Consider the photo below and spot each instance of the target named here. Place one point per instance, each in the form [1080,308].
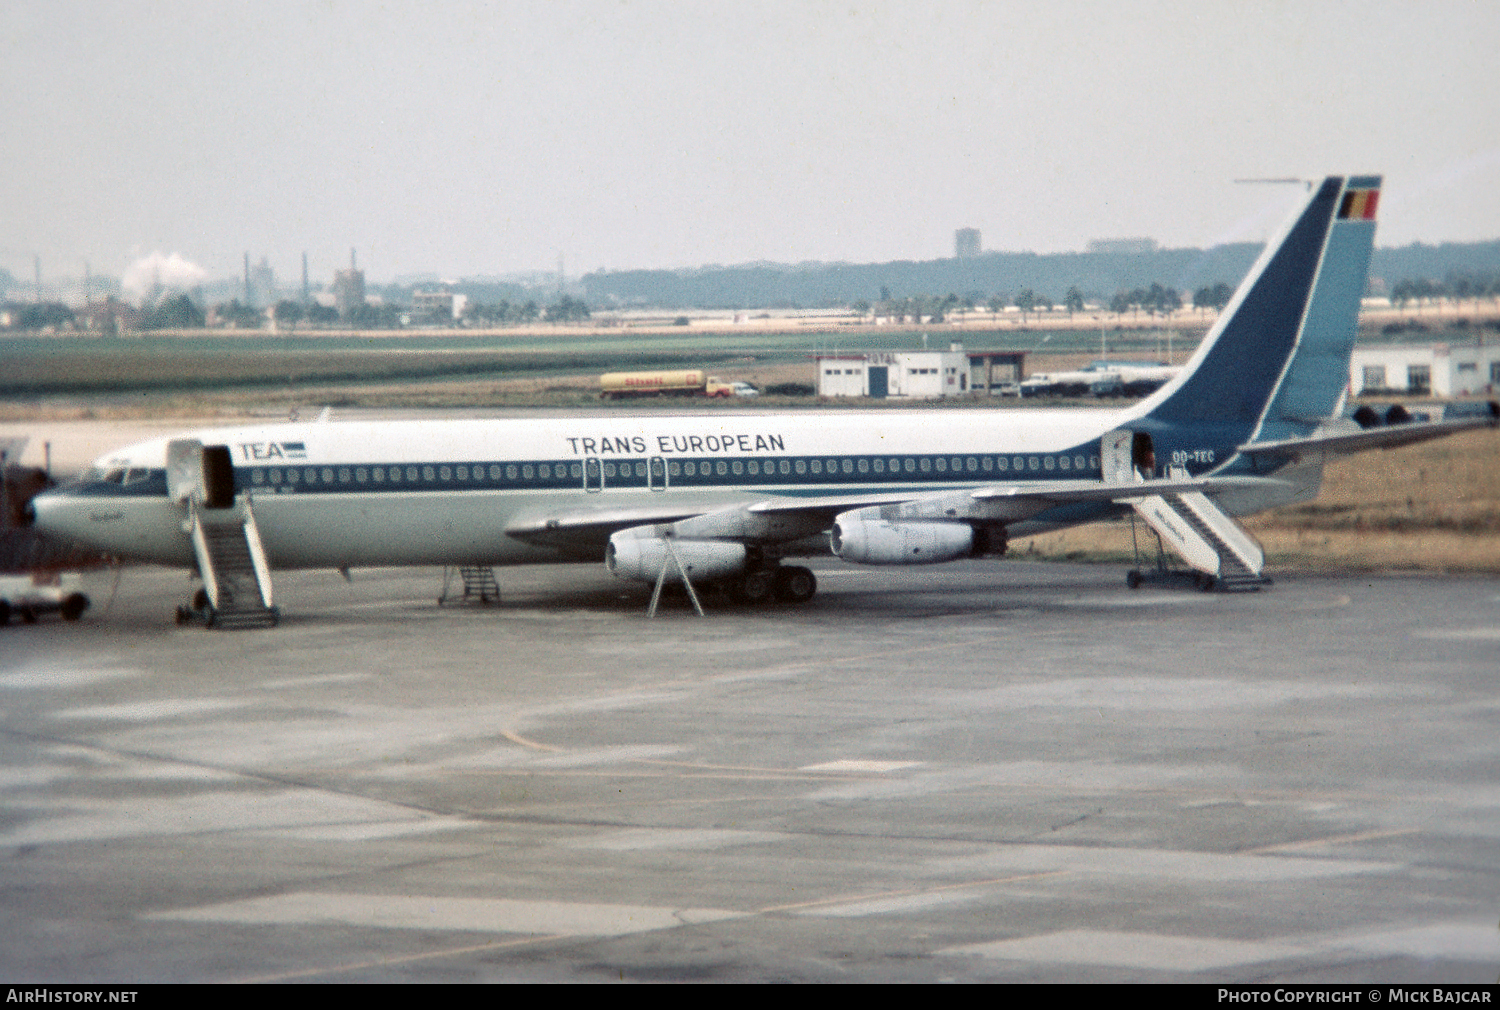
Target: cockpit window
[113,476]
[134,474]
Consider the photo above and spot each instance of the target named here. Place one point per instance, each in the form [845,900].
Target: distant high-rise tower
[305,294]
[348,288]
[262,284]
[966,243]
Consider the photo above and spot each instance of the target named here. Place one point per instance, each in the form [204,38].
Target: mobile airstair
[1219,549]
[236,591]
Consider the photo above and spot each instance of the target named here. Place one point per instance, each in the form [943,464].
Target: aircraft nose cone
[41,512]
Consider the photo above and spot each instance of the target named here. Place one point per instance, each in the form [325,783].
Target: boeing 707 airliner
[724,497]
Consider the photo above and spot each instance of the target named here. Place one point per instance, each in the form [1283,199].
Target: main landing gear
[759,586]
[781,583]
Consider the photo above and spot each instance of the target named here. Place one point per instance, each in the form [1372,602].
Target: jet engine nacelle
[639,554]
[863,537]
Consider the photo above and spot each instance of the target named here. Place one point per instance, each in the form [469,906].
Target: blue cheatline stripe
[818,475]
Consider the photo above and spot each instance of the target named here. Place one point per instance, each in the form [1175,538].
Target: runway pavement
[989,770]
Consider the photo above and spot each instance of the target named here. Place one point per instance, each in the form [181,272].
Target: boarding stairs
[479,584]
[232,563]
[1207,538]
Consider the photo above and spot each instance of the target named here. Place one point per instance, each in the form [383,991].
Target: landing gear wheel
[754,587]
[184,616]
[795,584]
[4,612]
[200,599]
[1133,579]
[1206,583]
[73,607]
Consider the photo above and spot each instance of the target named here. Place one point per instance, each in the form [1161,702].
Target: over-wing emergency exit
[1246,425]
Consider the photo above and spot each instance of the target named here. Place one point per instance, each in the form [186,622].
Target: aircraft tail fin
[1277,361]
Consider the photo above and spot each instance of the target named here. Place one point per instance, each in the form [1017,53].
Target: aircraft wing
[584,531]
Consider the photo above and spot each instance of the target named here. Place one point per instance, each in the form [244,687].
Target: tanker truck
[689,382]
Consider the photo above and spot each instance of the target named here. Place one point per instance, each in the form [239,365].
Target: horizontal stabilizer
[1388,437]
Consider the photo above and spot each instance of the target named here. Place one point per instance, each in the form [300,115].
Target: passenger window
[739,468]
[800,465]
[257,476]
[721,468]
[411,474]
[344,475]
[848,466]
[674,468]
[446,473]
[428,474]
[785,469]
[359,475]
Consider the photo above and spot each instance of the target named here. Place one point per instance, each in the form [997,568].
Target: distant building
[966,243]
[1425,369]
[916,374]
[260,284]
[348,288]
[1123,245]
[438,306]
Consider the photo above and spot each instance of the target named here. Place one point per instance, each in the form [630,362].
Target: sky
[466,139]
